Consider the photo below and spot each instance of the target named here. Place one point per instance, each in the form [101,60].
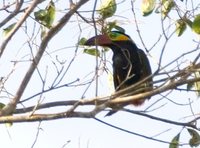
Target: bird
[130,64]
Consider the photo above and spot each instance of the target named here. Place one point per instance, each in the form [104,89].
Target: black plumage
[130,64]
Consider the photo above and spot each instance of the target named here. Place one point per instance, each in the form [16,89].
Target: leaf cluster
[194,140]
[165,8]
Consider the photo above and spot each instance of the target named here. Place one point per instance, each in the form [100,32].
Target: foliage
[180,27]
[195,138]
[147,7]
[175,141]
[196,24]
[8,29]
[166,7]
[46,16]
[107,9]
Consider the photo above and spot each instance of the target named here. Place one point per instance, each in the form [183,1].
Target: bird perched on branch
[130,64]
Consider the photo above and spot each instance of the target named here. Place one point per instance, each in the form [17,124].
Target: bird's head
[109,39]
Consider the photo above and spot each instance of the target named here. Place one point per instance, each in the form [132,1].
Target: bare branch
[8,109]
[13,14]
[18,25]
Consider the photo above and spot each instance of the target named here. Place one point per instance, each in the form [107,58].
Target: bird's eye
[118,37]
[112,35]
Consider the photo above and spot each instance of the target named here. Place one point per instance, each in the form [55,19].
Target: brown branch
[82,102]
[103,103]
[46,117]
[171,85]
[121,97]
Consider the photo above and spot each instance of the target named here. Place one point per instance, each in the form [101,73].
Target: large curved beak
[101,40]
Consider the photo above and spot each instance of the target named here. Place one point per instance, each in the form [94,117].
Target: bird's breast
[120,62]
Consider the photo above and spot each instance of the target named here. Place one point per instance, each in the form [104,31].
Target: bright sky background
[88,133]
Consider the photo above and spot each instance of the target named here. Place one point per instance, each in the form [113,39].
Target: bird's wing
[120,70]
[146,68]
[119,76]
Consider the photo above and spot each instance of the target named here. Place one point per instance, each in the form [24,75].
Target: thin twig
[37,135]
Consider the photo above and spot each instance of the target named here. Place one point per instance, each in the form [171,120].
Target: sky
[89,133]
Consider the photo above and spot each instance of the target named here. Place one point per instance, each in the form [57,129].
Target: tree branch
[13,14]
[18,25]
[10,107]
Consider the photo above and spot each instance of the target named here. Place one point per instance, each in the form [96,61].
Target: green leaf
[82,41]
[180,27]
[175,141]
[8,29]
[50,14]
[195,138]
[167,6]
[196,24]
[108,8]
[147,7]
[40,15]
[46,16]
[92,51]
